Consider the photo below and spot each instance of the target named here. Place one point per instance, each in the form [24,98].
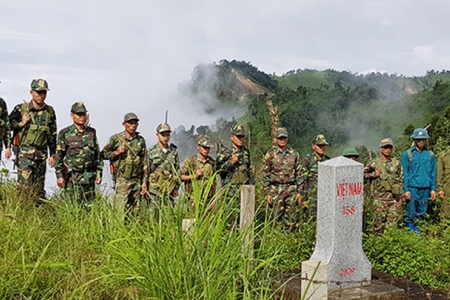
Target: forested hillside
[349,109]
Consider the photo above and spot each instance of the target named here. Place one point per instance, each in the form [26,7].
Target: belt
[283,183]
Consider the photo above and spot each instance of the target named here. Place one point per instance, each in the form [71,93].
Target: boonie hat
[78,107]
[386,142]
[420,134]
[281,132]
[238,130]
[39,85]
[320,140]
[163,127]
[204,141]
[130,116]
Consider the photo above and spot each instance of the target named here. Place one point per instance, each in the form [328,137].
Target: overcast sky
[120,56]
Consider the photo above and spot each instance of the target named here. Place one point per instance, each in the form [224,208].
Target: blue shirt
[421,171]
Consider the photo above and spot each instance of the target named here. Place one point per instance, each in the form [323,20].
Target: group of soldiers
[289,183]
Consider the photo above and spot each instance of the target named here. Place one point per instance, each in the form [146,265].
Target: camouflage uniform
[36,138]
[233,176]
[443,181]
[163,166]
[130,167]
[4,126]
[208,166]
[310,174]
[281,181]
[78,160]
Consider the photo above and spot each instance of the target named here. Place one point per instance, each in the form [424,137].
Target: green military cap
[130,116]
[39,85]
[320,140]
[350,151]
[204,141]
[163,127]
[238,130]
[78,107]
[281,132]
[386,142]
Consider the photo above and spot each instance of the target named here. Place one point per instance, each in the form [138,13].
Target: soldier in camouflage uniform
[35,125]
[310,173]
[281,180]
[78,164]
[126,153]
[198,170]
[163,165]
[4,129]
[386,177]
[234,169]
[443,182]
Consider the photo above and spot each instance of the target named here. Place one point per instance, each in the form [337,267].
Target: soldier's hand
[25,119]
[175,193]
[198,173]
[269,199]
[234,159]
[407,195]
[98,181]
[60,182]
[433,195]
[8,153]
[399,203]
[441,194]
[120,150]
[299,199]
[143,188]
[51,161]
[377,173]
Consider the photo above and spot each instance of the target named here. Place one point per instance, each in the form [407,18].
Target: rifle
[15,150]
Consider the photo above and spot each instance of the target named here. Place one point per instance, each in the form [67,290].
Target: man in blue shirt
[419,169]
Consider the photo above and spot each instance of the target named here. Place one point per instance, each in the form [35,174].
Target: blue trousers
[417,206]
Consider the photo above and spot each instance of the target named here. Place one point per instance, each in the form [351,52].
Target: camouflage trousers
[127,195]
[385,212]
[445,207]
[31,177]
[82,193]
[284,207]
[232,200]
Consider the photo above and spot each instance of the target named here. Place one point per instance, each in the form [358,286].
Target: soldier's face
[38,96]
[163,138]
[281,141]
[386,150]
[131,126]
[238,140]
[79,118]
[319,149]
[420,144]
[203,151]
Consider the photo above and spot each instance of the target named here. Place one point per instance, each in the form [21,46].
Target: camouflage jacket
[132,163]
[4,126]
[163,167]
[443,173]
[43,117]
[281,167]
[80,153]
[390,179]
[194,163]
[310,173]
[238,173]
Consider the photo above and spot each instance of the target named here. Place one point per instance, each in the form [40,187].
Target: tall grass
[65,250]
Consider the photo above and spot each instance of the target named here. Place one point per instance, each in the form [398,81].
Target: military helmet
[281,132]
[204,141]
[130,116]
[163,127]
[350,151]
[78,107]
[420,134]
[238,130]
[320,140]
[39,85]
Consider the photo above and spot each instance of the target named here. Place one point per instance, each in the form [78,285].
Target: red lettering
[347,272]
[348,189]
[348,210]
